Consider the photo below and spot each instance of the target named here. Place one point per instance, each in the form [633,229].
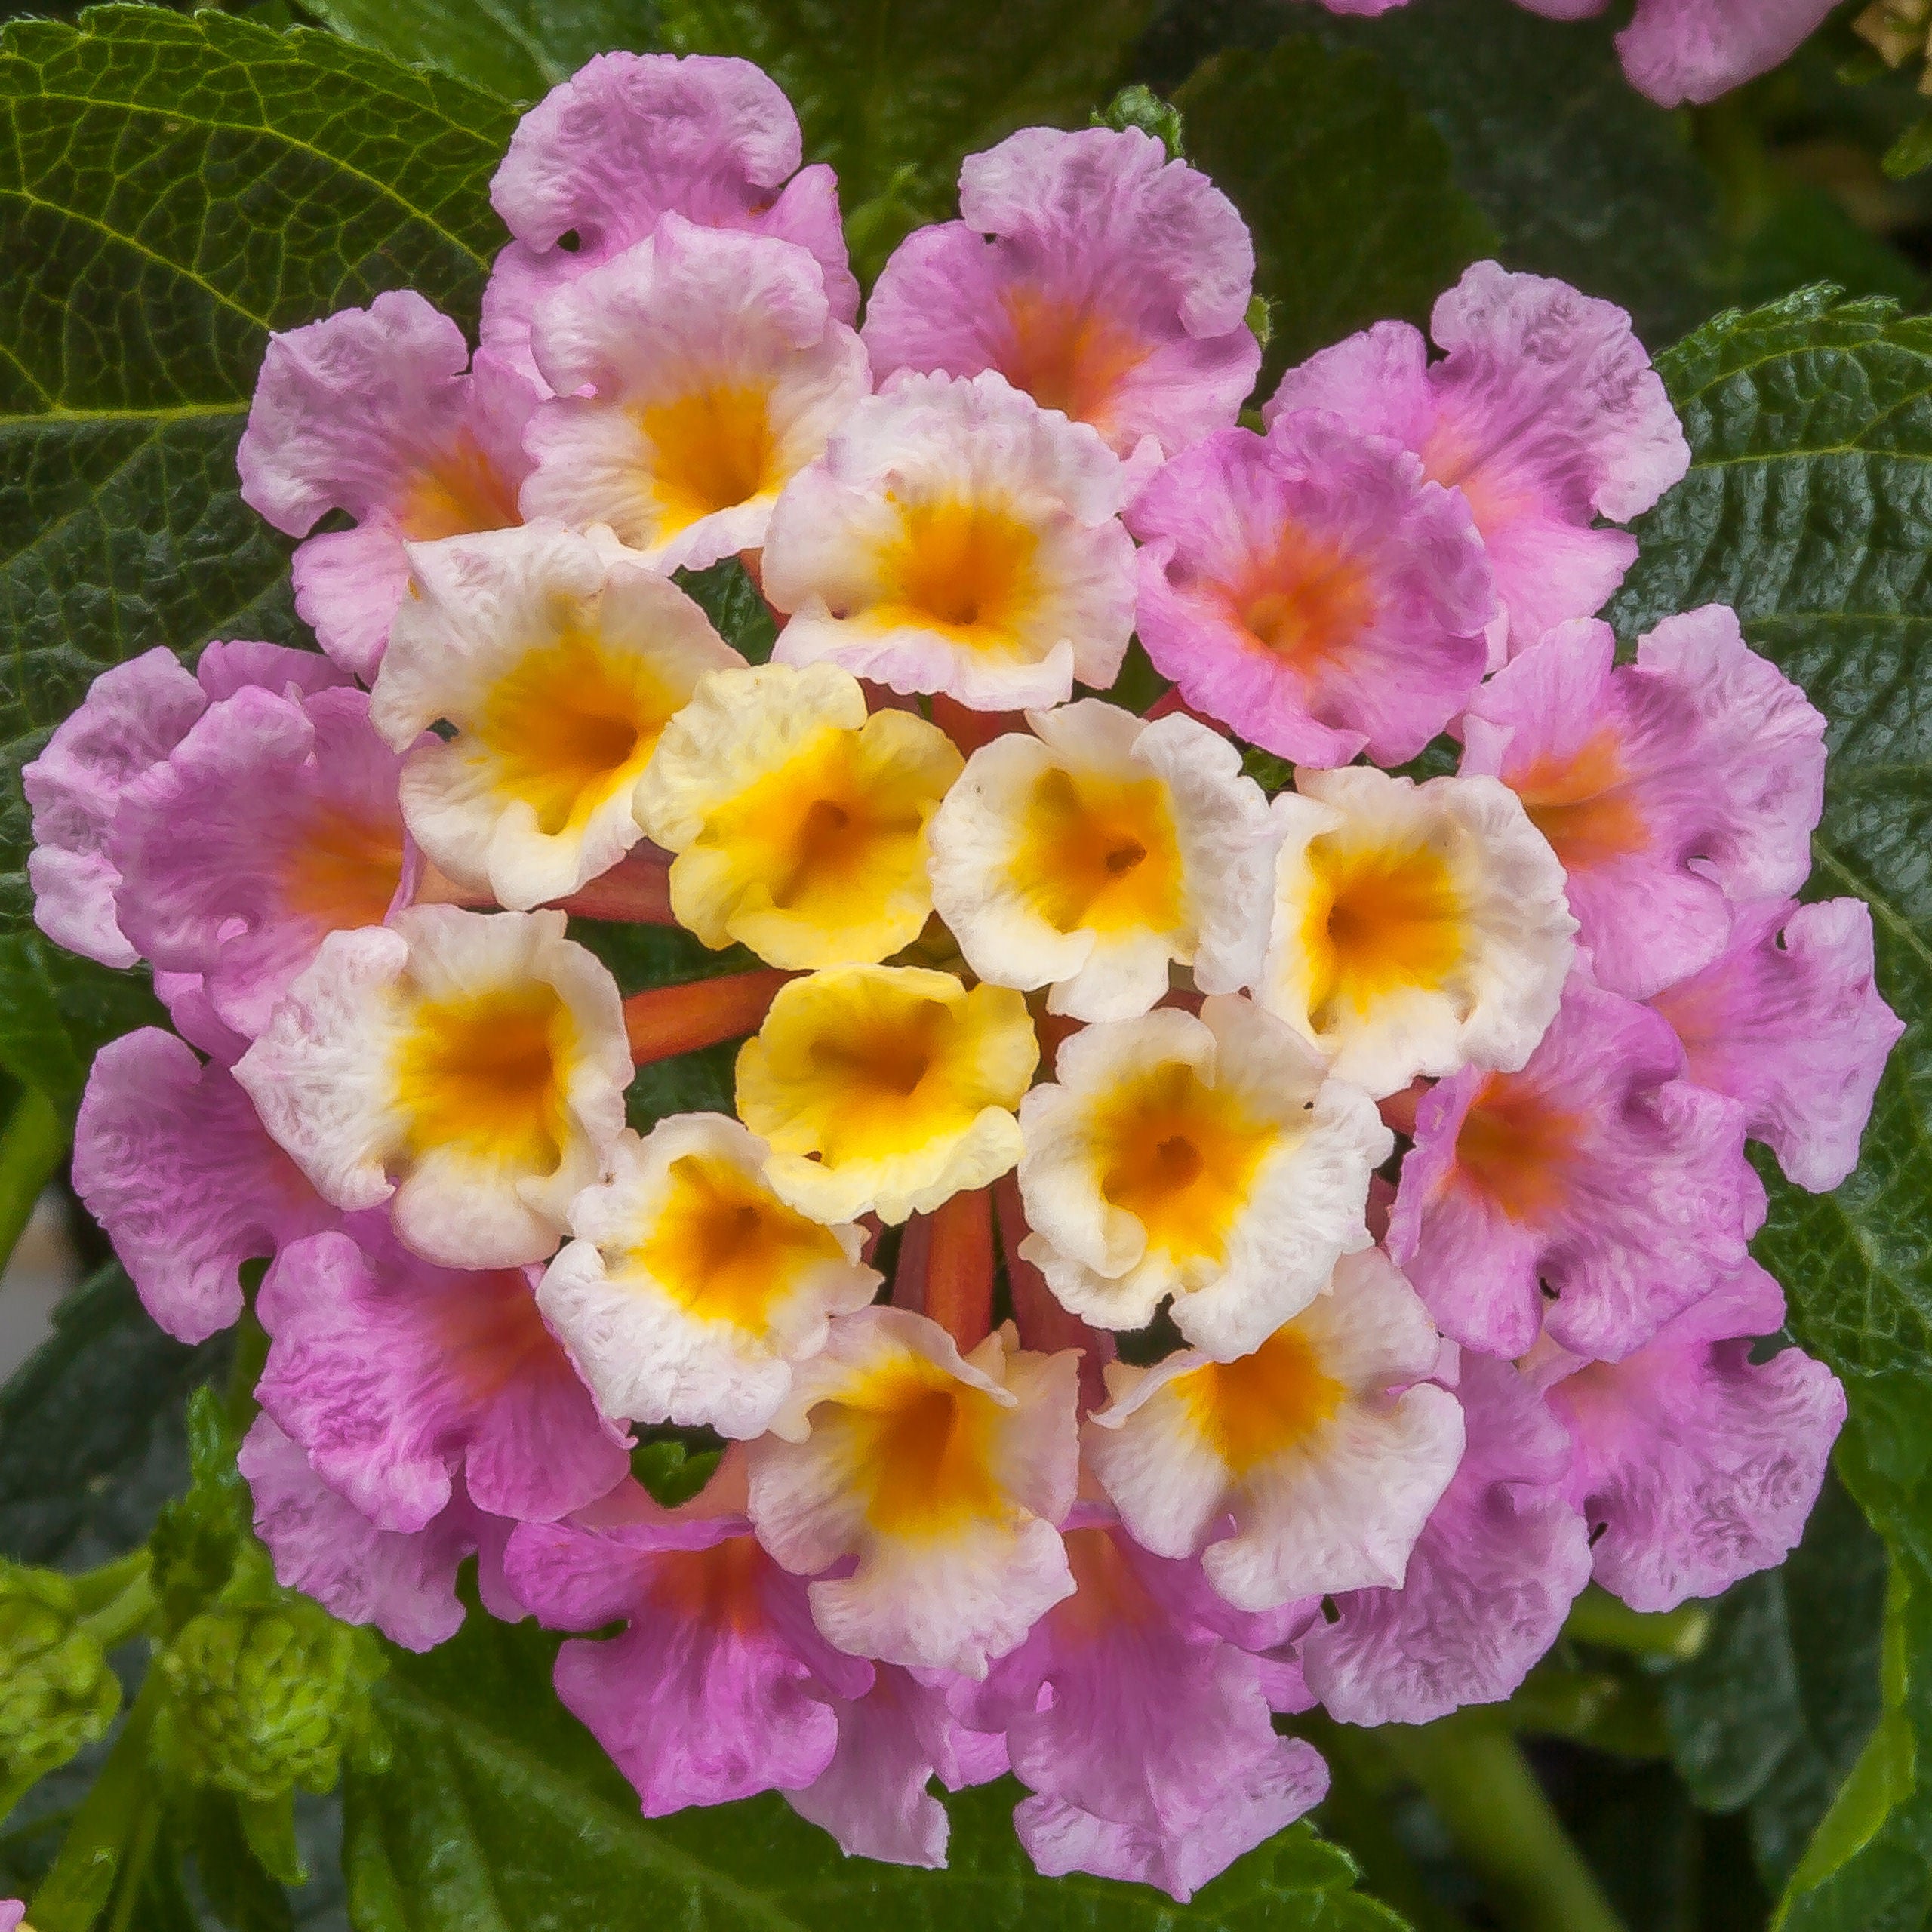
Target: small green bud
[57,1694]
[265,1696]
[1260,318]
[1141,107]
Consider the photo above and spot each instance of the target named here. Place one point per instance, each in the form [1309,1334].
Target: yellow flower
[559,666]
[799,823]
[886,1089]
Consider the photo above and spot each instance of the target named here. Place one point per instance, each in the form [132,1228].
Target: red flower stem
[678,1020]
[636,892]
[969,729]
[959,1267]
[1044,1324]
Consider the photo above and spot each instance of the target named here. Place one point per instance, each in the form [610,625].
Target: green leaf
[1346,188]
[1774,1712]
[171,189]
[502,1815]
[92,1440]
[518,49]
[1579,176]
[56,1010]
[895,93]
[1809,507]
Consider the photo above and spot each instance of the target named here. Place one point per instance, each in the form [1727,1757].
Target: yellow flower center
[570,725]
[710,449]
[829,834]
[873,1063]
[1180,1158]
[1101,854]
[485,1074]
[1381,919]
[967,570]
[1252,1410]
[727,1249]
[922,1442]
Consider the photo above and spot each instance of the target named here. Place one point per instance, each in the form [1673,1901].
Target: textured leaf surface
[1347,189]
[502,1815]
[1579,176]
[518,49]
[171,189]
[893,93]
[91,1438]
[1772,1713]
[1809,507]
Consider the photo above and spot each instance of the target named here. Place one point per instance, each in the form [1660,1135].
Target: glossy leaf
[1347,189]
[518,49]
[1809,507]
[501,1815]
[171,189]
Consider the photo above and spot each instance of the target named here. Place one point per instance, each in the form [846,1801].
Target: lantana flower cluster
[1181,1256]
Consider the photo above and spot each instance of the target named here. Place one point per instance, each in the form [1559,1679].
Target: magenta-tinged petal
[171,1161]
[346,408]
[1545,413]
[1268,1796]
[195,1020]
[1489,1583]
[1678,51]
[720,1686]
[272,824]
[402,1381]
[12,1911]
[1310,589]
[1594,1176]
[1789,1022]
[132,716]
[1669,788]
[225,667]
[1765,737]
[872,1796]
[1695,1465]
[629,138]
[403,1583]
[1090,271]
[370,411]
[1123,1707]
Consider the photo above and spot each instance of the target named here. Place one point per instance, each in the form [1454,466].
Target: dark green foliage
[1806,507]
[1347,188]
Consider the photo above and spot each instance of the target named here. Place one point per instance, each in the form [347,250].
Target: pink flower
[1595,1175]
[403,1381]
[629,138]
[1489,1583]
[370,411]
[1696,1466]
[1106,281]
[133,716]
[1145,1737]
[273,822]
[893,1741]
[403,1582]
[1545,414]
[720,1686]
[171,1160]
[1310,589]
[11,1912]
[1669,788]
[1788,1022]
